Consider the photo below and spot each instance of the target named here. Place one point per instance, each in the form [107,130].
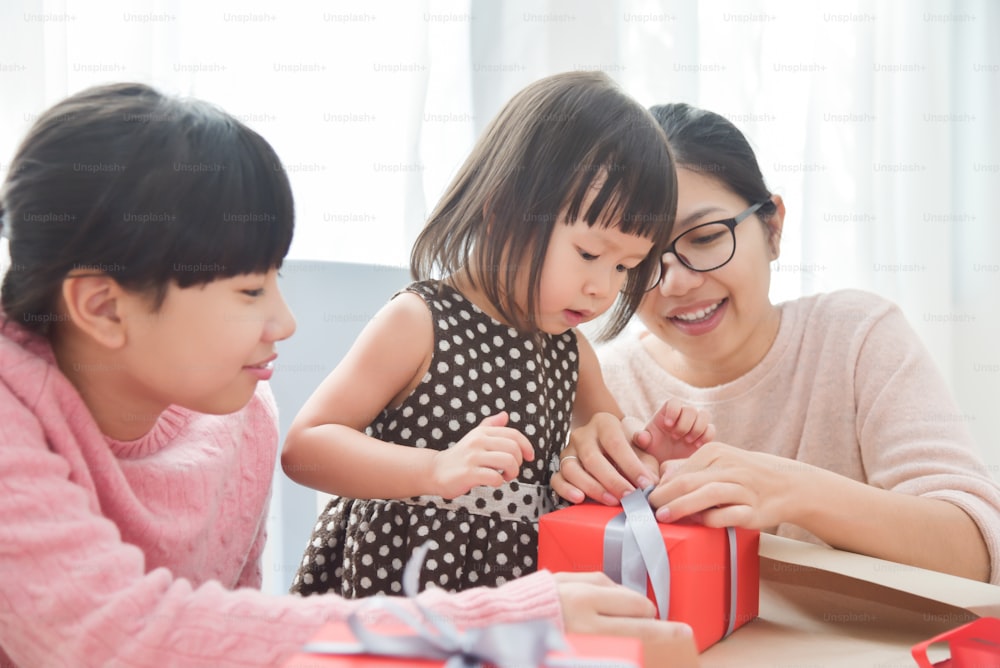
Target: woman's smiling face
[717,324]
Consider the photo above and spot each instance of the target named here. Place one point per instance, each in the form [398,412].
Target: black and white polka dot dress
[490,535]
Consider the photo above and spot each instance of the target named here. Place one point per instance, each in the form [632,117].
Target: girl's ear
[774,226]
[93,303]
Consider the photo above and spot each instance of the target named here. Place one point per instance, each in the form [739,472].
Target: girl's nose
[600,284]
[281,324]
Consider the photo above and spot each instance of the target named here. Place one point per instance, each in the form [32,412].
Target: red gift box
[572,539]
[610,650]
[974,645]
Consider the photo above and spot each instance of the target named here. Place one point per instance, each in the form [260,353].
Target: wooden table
[821,607]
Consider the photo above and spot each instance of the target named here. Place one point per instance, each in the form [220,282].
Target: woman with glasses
[833,424]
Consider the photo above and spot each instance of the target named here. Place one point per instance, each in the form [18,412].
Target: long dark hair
[146,188]
[536,161]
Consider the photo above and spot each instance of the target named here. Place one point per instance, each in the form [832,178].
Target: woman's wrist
[807,495]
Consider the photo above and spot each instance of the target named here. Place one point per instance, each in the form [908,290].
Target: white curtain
[875,120]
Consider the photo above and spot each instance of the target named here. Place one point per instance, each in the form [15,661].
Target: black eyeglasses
[708,246]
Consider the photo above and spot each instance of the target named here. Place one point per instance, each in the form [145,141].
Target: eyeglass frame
[730,223]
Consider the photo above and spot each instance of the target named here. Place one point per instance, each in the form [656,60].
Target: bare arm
[921,531]
[592,395]
[327,448]
[727,486]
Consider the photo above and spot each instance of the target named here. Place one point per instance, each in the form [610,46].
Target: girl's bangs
[637,197]
[246,218]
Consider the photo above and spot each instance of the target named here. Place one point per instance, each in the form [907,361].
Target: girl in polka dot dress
[443,423]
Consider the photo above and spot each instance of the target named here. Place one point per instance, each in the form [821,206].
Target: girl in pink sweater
[833,423]
[137,441]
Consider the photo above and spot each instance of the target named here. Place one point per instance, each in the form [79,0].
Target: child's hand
[592,603]
[491,454]
[675,431]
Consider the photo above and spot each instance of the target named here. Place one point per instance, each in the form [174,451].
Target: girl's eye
[253,293]
[587,256]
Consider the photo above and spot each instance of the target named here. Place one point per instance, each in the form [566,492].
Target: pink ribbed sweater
[846,386]
[147,553]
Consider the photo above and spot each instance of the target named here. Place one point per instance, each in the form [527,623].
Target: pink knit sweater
[147,553]
[846,386]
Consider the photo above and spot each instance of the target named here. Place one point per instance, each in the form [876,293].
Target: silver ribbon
[734,567]
[512,645]
[634,550]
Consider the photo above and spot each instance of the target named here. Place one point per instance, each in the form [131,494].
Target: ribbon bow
[634,548]
[503,645]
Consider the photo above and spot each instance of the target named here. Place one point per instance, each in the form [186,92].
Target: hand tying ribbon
[504,645]
[634,549]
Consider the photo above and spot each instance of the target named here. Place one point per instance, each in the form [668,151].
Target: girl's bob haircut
[148,189]
[531,169]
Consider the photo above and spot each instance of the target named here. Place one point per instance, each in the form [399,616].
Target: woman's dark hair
[551,145]
[145,188]
[705,142]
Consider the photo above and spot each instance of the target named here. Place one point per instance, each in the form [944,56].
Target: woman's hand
[720,486]
[491,454]
[593,604]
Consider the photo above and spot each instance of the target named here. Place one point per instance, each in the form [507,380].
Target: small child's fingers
[496,420]
[703,430]
[510,442]
[637,432]
[668,413]
[484,476]
[642,439]
[504,464]
[702,420]
[707,437]
[520,441]
[461,480]
[502,445]
[685,422]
